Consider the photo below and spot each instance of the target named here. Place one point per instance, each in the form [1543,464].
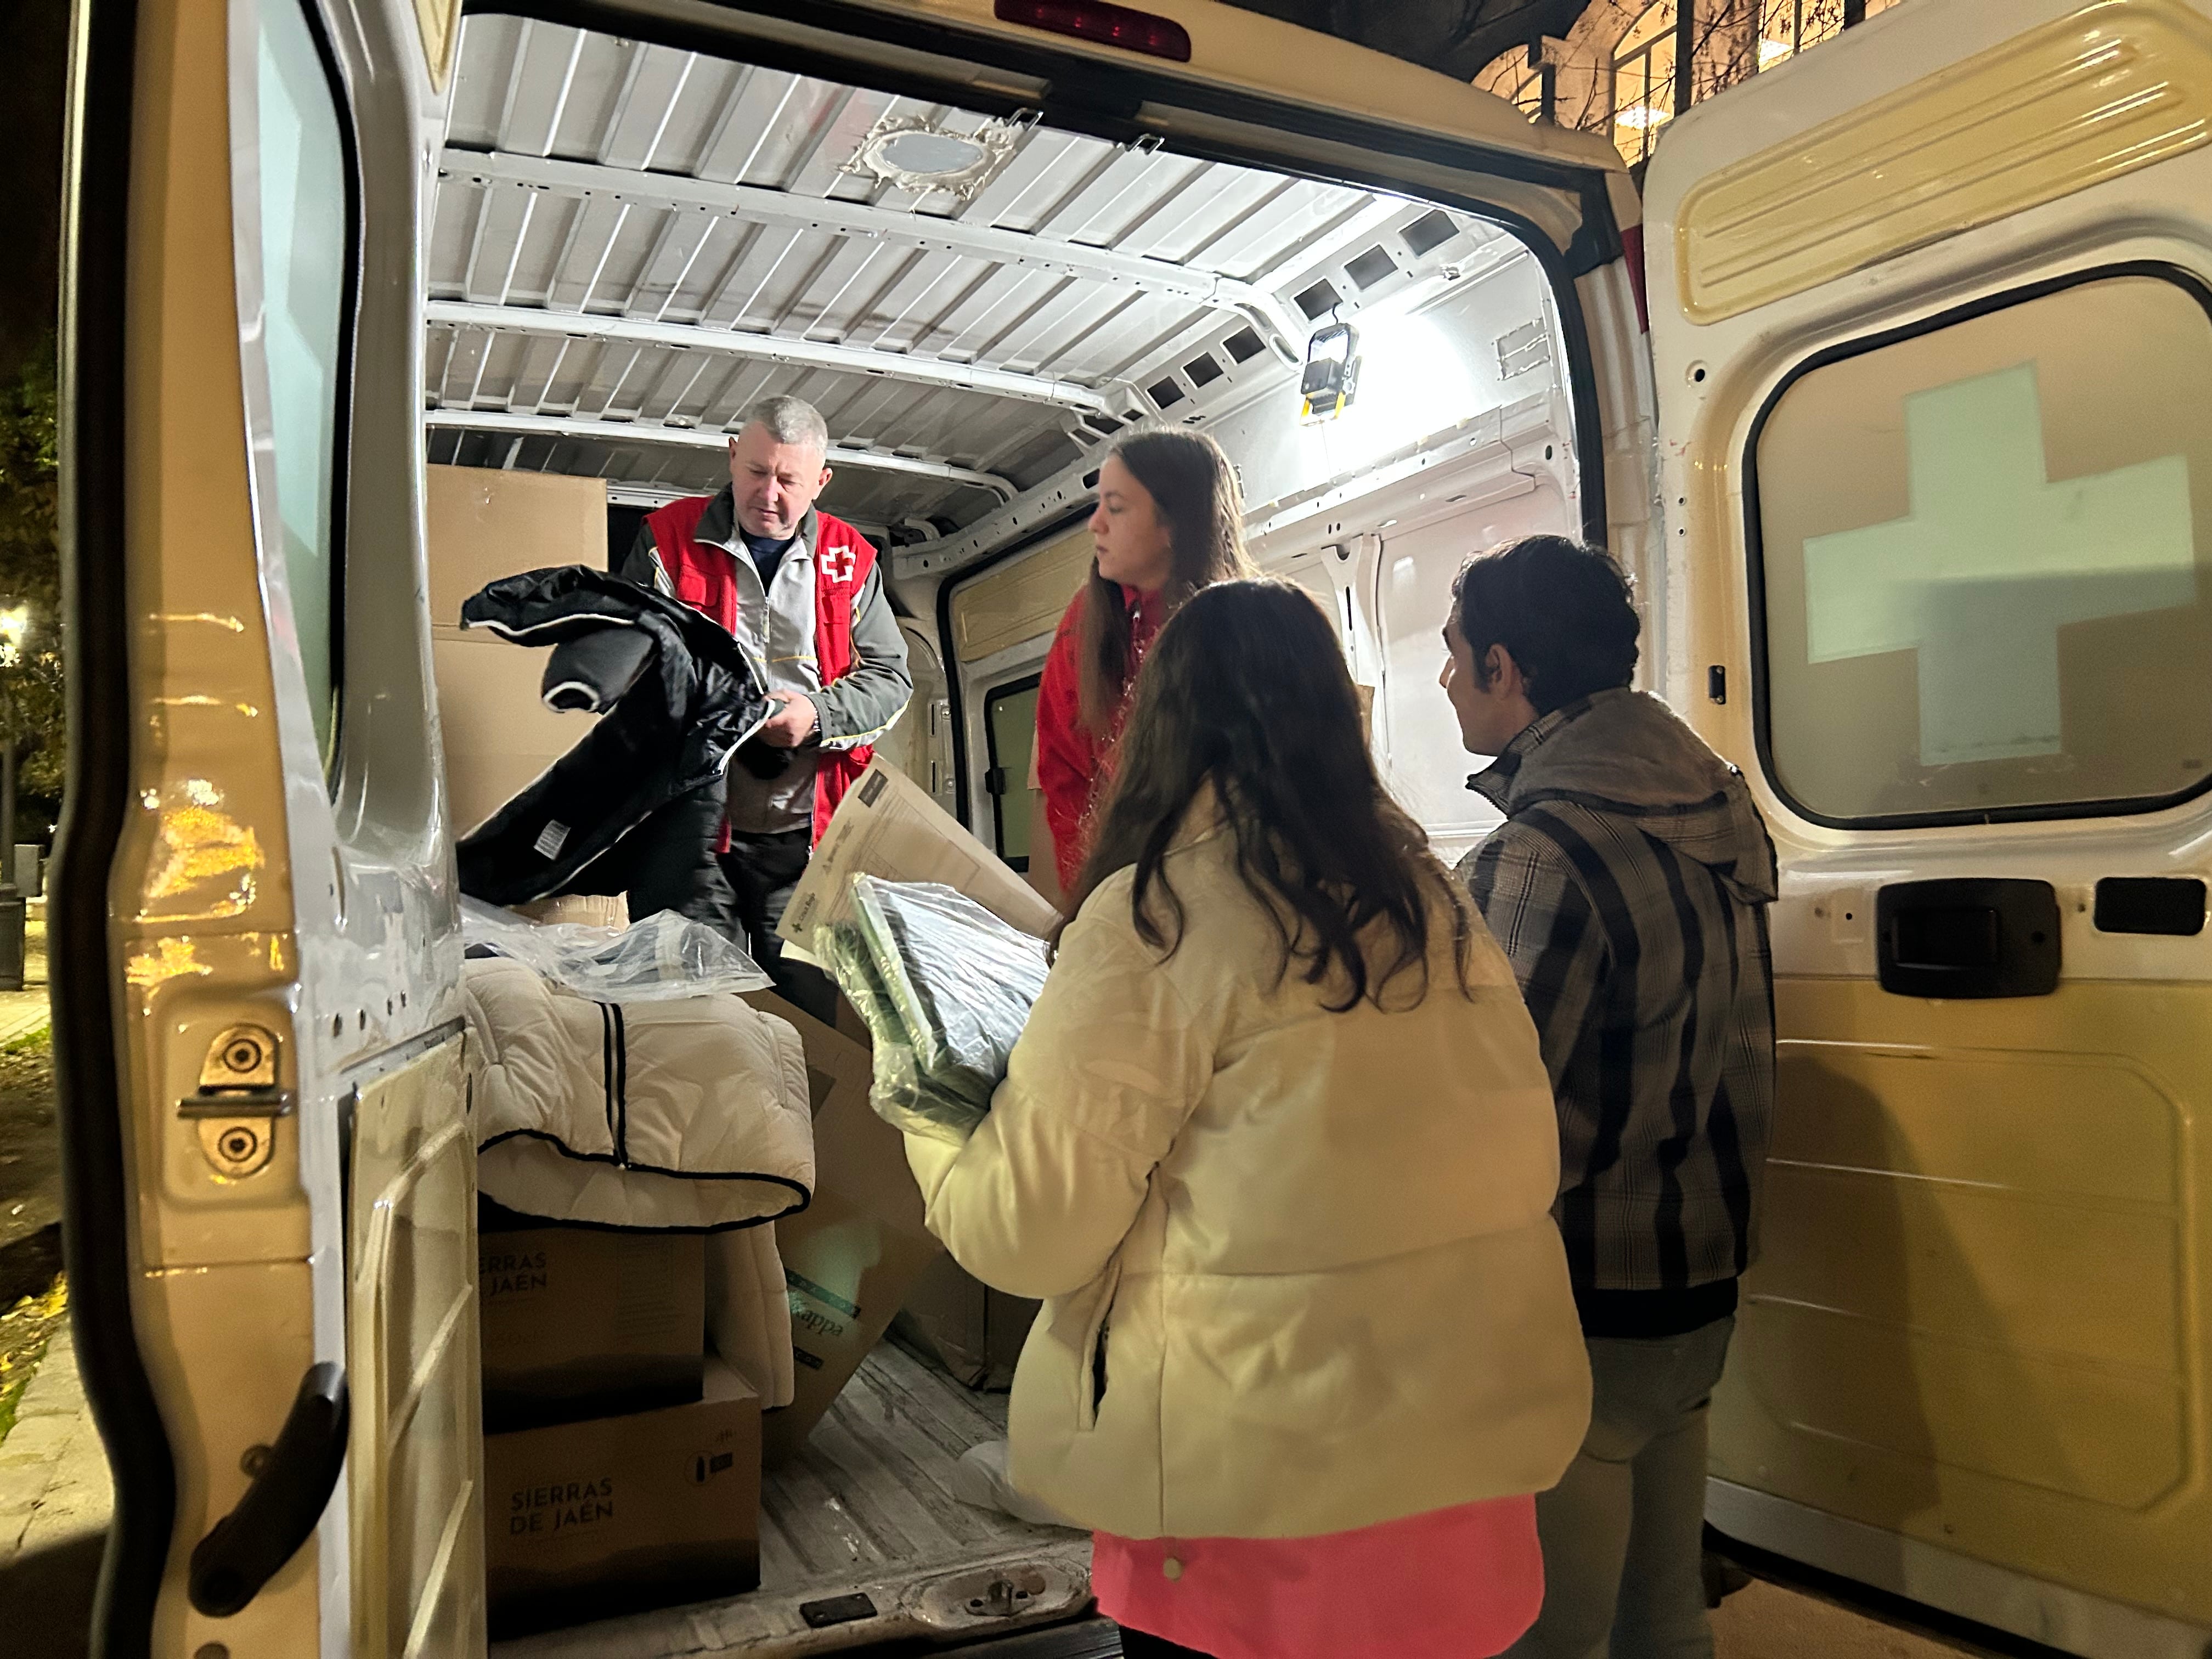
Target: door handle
[1968,938]
[290,1490]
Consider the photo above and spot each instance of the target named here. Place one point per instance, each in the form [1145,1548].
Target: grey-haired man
[801,593]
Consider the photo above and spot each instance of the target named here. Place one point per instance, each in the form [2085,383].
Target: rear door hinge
[238,1102]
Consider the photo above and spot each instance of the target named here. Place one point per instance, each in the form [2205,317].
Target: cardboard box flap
[888,826]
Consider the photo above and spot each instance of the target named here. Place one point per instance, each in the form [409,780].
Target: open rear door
[1932,320]
[271,1180]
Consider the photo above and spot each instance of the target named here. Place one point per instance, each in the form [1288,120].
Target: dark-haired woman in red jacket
[1169,521]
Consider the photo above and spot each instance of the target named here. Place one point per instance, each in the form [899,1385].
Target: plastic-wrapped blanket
[687,1114]
[666,955]
[944,987]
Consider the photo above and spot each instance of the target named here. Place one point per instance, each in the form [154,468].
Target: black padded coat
[636,806]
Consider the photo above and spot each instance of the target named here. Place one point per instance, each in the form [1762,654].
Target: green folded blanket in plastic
[944,988]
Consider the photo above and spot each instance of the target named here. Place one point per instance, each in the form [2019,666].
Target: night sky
[34,74]
[1459,35]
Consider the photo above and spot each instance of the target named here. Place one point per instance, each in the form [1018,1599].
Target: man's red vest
[705,577]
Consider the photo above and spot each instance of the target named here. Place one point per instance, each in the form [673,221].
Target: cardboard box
[485,524]
[849,1271]
[974,1332]
[835,1058]
[889,827]
[653,1510]
[580,1322]
[851,1257]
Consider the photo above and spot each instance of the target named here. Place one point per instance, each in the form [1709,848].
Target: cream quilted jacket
[1300,1270]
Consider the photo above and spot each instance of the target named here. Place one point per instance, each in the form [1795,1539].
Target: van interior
[633,243]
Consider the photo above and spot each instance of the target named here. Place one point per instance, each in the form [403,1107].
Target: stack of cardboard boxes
[497,734]
[622,1462]
[621,1457]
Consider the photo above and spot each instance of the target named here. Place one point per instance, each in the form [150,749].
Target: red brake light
[1108,24]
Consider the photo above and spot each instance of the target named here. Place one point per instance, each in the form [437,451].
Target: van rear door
[271,1180]
[1932,320]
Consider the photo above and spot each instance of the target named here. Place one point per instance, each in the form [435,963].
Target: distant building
[1616,71]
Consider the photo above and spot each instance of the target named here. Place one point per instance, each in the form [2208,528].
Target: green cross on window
[1992,561]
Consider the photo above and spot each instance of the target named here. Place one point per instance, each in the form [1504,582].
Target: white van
[1891,390]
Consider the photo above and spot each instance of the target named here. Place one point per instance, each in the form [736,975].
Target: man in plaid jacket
[1628,886]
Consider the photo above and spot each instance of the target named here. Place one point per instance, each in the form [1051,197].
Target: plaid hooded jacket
[1629,887]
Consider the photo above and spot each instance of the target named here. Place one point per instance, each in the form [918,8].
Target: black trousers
[763,870]
[1135,1644]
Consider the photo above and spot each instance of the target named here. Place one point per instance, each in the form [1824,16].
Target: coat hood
[1626,754]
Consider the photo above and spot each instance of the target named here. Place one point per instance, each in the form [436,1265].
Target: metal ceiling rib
[481,420]
[626,235]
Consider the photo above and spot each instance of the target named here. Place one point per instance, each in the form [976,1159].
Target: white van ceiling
[632,244]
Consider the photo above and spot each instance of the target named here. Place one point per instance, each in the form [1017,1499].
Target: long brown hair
[1245,690]
[1194,488]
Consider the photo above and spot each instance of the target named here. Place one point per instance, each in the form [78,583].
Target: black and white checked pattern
[1638,933]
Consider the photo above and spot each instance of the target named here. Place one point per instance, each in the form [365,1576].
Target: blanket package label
[654,1509]
[580,1322]
[849,1272]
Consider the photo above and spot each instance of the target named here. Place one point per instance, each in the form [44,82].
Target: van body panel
[1978,1335]
[1979,1326]
[278,867]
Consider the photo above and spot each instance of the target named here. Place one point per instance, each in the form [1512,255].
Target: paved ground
[24,1011]
[55,1496]
[30,1151]
[54,1490]
[1777,1621]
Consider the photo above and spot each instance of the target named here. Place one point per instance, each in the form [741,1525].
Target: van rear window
[1979,561]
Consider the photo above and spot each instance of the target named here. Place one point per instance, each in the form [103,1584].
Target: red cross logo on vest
[837,564]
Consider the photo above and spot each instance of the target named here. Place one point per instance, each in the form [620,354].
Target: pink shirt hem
[1450,1584]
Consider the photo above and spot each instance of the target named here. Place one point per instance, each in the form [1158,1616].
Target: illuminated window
[1786,27]
[1527,92]
[1643,81]
[1010,728]
[299,162]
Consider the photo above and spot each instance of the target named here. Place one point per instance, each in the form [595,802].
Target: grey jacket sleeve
[641,564]
[861,705]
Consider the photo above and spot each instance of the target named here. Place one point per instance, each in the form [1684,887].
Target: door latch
[238,1102]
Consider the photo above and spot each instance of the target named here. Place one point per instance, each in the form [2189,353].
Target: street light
[14,628]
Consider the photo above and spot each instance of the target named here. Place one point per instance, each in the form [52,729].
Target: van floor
[866,1509]
[50,1559]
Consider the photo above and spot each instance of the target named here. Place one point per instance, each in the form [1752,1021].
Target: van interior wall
[1460,438]
[632,245]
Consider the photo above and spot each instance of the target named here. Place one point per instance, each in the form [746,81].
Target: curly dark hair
[1561,608]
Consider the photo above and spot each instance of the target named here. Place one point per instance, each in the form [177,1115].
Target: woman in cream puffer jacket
[1293,1234]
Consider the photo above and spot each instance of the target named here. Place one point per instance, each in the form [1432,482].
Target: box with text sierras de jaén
[583,1322]
[651,1510]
